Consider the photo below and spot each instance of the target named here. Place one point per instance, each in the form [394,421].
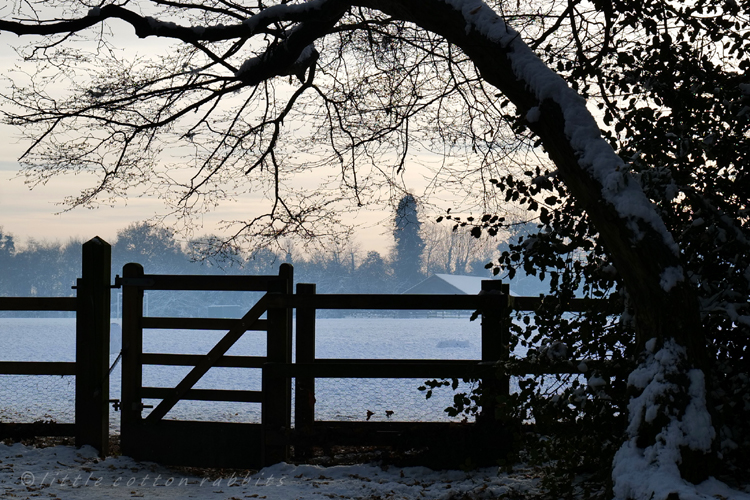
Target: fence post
[495,347]
[92,347]
[304,393]
[132,347]
[276,412]
[505,311]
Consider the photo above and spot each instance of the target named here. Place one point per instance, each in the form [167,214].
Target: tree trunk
[646,258]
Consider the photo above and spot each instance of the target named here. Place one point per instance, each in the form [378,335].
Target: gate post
[92,347]
[304,392]
[276,412]
[495,347]
[132,347]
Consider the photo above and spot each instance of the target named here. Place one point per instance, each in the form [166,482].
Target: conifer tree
[407,254]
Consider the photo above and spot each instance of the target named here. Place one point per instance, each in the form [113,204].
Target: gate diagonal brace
[209,360]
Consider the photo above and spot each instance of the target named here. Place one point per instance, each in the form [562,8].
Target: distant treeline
[50,269]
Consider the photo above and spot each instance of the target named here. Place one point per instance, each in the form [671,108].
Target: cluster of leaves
[677,106]
[467,404]
[491,222]
[686,133]
[568,424]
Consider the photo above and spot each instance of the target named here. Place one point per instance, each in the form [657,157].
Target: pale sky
[36,213]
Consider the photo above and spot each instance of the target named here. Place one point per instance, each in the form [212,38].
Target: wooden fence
[224,444]
[491,303]
[494,305]
[91,367]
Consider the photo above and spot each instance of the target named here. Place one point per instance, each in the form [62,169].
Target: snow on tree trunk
[650,470]
[674,434]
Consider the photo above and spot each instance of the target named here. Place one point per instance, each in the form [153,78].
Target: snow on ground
[65,472]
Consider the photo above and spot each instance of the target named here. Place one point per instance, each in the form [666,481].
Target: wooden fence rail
[377,368]
[384,302]
[38,303]
[37,367]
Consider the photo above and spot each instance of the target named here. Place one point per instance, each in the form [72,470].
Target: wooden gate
[218,444]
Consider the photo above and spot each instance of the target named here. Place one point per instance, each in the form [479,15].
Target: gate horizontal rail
[38,303]
[194,359]
[199,282]
[158,323]
[204,394]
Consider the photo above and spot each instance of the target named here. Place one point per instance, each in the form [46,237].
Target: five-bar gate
[218,444]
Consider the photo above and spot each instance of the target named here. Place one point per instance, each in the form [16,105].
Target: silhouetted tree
[7,267]
[372,275]
[407,254]
[152,246]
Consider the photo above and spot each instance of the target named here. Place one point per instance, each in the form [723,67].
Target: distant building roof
[448,284]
